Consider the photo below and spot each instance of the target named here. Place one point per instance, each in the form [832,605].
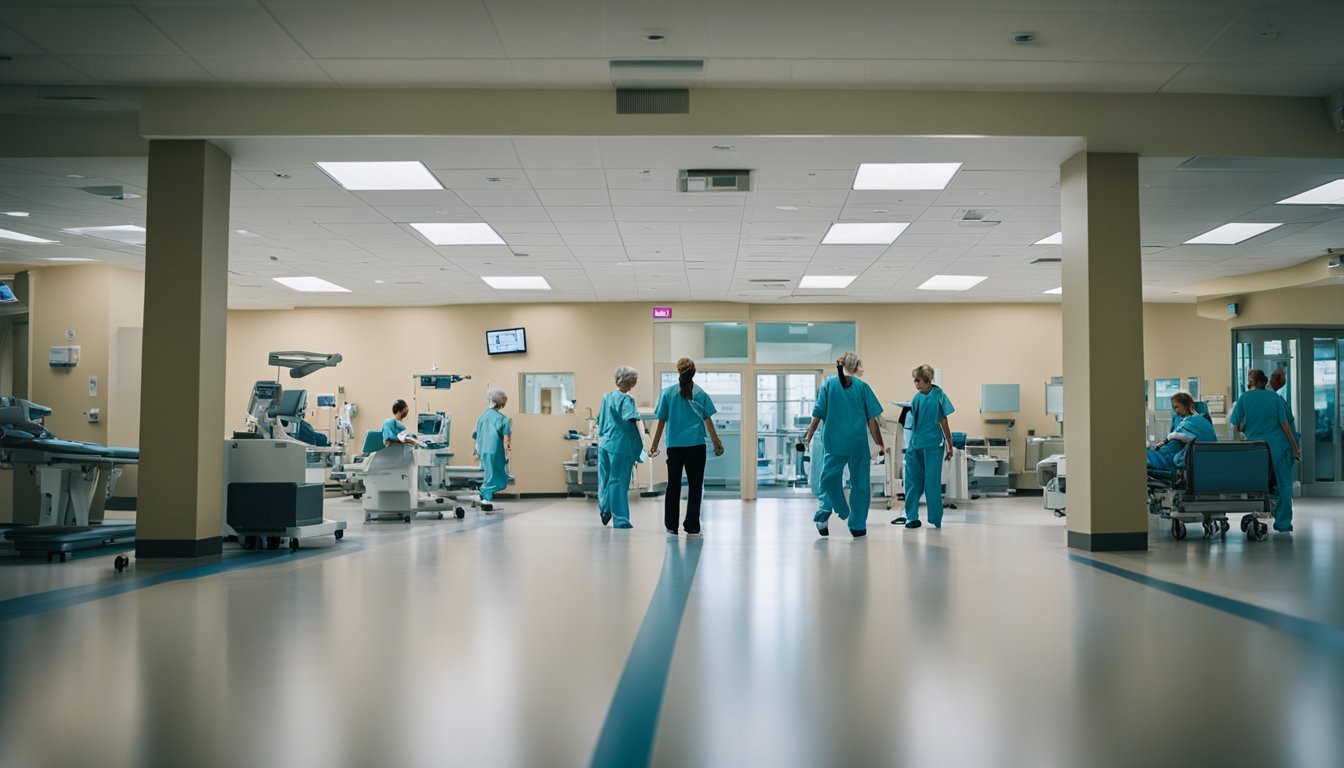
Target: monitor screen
[505,341]
[6,294]
[326,401]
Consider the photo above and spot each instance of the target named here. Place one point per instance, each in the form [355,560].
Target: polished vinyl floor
[536,637]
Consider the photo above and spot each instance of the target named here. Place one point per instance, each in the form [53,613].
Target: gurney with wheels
[1218,479]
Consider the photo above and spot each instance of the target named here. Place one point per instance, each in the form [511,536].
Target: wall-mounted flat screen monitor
[506,341]
[6,294]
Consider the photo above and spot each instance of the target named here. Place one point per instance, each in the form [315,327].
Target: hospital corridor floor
[537,637]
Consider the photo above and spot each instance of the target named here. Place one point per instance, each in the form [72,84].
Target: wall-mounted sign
[662,313]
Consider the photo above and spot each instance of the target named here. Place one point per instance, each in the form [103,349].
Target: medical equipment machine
[266,497]
[1218,479]
[73,479]
[1050,475]
[1037,449]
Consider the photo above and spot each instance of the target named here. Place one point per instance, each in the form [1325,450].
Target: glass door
[723,474]
[1322,431]
[784,403]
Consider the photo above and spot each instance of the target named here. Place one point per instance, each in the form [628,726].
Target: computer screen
[326,401]
[6,294]
[506,341]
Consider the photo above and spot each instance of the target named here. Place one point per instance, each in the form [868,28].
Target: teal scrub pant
[855,509]
[1283,481]
[924,477]
[496,469]
[613,485]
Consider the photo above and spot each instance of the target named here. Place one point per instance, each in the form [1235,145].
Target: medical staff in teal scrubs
[814,479]
[1263,415]
[1278,379]
[393,427]
[686,411]
[493,436]
[930,445]
[1170,453]
[849,409]
[618,448]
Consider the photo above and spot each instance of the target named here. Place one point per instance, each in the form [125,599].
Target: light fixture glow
[514,283]
[826,281]
[22,238]
[410,175]
[1326,194]
[1055,239]
[1231,234]
[66,258]
[905,175]
[1056,291]
[884,233]
[310,284]
[127,234]
[459,234]
[17,214]
[952,282]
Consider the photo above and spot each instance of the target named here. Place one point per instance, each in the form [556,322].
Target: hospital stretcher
[1218,479]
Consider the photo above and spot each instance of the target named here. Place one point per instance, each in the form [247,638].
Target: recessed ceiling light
[409,175]
[245,233]
[653,38]
[310,284]
[66,258]
[17,214]
[22,238]
[1231,234]
[514,283]
[1055,239]
[826,281]
[1024,38]
[1326,194]
[75,176]
[863,234]
[905,175]
[126,234]
[786,207]
[952,282]
[379,282]
[1056,291]
[459,234]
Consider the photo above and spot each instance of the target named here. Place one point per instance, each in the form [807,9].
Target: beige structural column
[182,400]
[1103,352]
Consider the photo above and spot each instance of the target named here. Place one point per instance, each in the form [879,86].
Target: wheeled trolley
[1219,479]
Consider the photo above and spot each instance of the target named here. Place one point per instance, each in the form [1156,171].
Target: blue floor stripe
[56,599]
[627,734]
[1325,636]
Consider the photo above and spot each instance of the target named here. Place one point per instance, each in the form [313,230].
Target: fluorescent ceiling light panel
[905,175]
[863,234]
[1326,194]
[127,234]
[66,258]
[358,177]
[22,238]
[310,285]
[1056,291]
[459,234]
[17,214]
[826,281]
[532,283]
[1231,234]
[952,282]
[1055,239]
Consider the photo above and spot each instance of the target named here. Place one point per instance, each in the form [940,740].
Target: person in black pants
[686,412]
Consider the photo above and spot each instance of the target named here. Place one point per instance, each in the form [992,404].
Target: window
[794,343]
[713,343]
[547,393]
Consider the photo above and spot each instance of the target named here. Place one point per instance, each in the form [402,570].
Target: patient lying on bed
[1170,453]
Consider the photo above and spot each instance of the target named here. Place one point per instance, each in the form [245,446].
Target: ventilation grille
[653,101]
[1047,260]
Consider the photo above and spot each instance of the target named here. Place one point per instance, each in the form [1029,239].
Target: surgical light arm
[301,364]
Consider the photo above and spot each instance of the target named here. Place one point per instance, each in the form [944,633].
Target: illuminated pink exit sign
[662,313]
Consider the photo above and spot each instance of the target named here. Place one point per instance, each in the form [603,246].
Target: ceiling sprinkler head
[653,37]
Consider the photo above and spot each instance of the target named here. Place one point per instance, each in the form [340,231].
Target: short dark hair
[1257,377]
[399,406]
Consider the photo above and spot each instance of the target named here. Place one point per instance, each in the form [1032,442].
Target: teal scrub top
[846,412]
[391,429]
[1259,412]
[490,431]
[925,412]
[1198,426]
[617,425]
[685,418]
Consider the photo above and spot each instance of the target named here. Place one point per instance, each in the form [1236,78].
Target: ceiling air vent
[1047,260]
[976,217]
[713,181]
[653,101]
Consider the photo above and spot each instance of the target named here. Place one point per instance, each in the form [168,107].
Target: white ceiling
[600,219]
[1143,46]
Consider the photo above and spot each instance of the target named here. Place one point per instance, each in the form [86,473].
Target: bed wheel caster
[1258,531]
[121,563]
[460,512]
[272,542]
[356,496]
[440,515]
[1208,530]
[1059,513]
[1178,529]
[1246,523]
[406,518]
[293,545]
[340,534]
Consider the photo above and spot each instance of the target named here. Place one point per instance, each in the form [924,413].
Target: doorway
[784,401]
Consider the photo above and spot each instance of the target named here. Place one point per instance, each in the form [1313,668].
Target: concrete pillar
[182,400]
[1103,352]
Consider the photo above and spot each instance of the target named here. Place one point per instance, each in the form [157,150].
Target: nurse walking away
[493,436]
[685,410]
[618,448]
[849,409]
[1262,415]
[930,445]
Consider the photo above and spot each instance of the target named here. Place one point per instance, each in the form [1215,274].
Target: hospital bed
[73,482]
[1218,479]
[393,478]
